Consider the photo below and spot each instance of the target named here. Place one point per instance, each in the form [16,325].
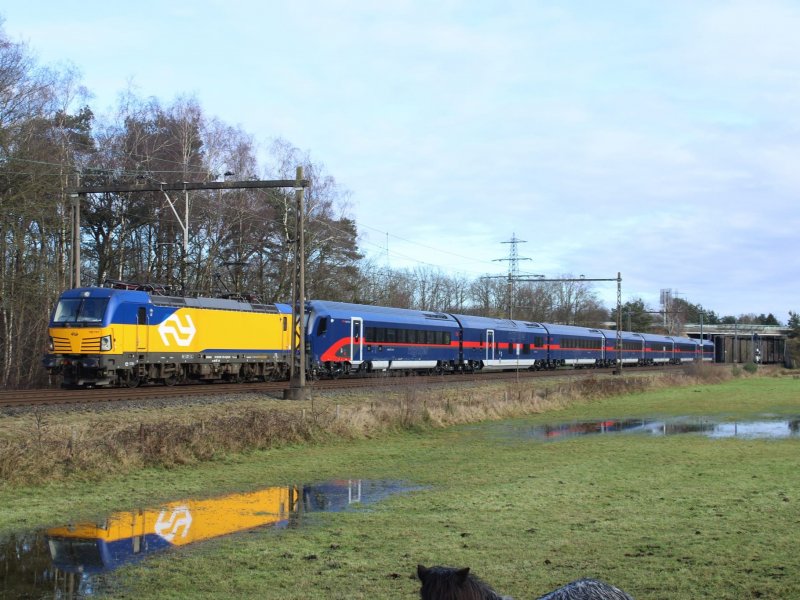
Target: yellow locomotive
[101,336]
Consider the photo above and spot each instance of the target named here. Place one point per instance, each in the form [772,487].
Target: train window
[141,316]
[391,336]
[321,328]
[92,310]
[80,310]
[402,336]
[430,337]
[446,338]
[370,333]
[526,348]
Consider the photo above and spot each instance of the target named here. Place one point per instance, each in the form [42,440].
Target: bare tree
[41,139]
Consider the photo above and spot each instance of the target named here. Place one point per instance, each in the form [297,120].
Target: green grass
[734,398]
[662,517]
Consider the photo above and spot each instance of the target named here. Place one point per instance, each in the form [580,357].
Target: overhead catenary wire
[359,224]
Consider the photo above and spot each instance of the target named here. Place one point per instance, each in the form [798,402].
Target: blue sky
[656,139]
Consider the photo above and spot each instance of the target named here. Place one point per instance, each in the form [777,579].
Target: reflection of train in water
[127,335]
[70,562]
[128,536]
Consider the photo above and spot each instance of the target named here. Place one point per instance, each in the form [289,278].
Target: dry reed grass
[42,449]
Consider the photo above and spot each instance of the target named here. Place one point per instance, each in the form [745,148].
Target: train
[125,335]
[116,335]
[344,338]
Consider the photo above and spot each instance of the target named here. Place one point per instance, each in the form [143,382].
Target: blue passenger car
[708,350]
[659,349]
[576,346]
[343,337]
[634,348]
[502,344]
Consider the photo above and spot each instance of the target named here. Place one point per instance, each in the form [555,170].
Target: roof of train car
[656,337]
[626,335]
[477,322]
[345,310]
[200,302]
[573,330]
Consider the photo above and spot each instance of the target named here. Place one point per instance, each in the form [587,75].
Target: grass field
[662,517]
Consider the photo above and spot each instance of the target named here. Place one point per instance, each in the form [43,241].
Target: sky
[659,140]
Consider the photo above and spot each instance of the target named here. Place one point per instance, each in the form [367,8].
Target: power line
[513,268]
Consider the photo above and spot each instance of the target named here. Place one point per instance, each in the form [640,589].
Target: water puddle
[755,429]
[73,561]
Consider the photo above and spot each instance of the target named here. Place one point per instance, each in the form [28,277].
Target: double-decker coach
[575,346]
[343,337]
[499,344]
[659,349]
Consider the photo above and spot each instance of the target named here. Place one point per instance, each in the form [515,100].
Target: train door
[141,329]
[356,340]
[286,340]
[489,344]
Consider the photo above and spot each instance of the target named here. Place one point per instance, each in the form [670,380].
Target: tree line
[240,241]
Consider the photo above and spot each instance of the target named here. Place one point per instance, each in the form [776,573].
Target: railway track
[52,396]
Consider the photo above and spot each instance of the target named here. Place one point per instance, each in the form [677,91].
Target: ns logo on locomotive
[128,335]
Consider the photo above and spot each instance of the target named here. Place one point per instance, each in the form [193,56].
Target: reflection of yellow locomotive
[75,561]
[128,536]
[107,336]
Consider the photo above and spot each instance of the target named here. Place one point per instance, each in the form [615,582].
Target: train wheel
[131,380]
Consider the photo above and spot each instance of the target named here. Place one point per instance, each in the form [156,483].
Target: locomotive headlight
[105,343]
[50,345]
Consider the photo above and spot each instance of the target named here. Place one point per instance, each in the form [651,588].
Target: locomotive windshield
[80,310]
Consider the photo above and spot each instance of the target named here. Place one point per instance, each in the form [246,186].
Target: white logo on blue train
[179,519]
[172,326]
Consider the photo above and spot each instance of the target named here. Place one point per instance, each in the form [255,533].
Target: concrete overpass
[743,342]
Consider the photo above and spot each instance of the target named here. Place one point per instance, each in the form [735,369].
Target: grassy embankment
[672,517]
[52,445]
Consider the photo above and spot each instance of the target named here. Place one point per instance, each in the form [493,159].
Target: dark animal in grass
[448,583]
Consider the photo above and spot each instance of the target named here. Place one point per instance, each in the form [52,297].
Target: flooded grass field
[711,511]
[78,560]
